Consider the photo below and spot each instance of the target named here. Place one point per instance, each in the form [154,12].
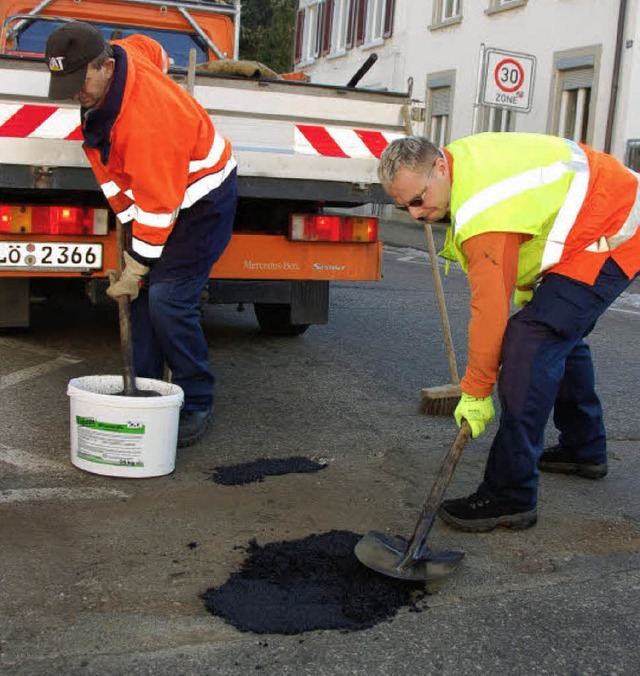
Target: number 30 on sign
[508,80]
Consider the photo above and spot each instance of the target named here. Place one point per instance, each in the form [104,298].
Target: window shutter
[440,101]
[577,78]
[361,21]
[389,11]
[327,26]
[297,39]
[351,24]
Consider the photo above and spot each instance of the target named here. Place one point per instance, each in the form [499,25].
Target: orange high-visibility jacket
[152,146]
[492,257]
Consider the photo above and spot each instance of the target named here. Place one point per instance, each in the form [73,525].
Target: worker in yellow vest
[554,225]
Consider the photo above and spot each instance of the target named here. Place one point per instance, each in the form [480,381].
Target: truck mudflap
[276,257]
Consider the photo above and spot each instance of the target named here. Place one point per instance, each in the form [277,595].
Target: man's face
[424,194]
[95,85]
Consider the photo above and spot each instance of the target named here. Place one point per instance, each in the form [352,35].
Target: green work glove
[477,412]
[521,297]
[129,282]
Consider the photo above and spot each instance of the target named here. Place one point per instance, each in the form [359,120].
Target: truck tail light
[57,220]
[326,228]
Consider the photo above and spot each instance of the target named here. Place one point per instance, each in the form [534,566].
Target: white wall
[628,115]
[540,28]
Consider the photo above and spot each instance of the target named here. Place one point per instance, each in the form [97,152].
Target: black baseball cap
[70,50]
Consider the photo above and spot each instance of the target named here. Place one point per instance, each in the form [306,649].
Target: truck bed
[326,149]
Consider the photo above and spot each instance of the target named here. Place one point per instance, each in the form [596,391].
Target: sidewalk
[407,233]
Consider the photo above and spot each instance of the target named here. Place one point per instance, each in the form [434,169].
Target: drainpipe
[613,99]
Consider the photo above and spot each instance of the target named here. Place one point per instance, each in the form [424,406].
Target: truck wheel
[275,320]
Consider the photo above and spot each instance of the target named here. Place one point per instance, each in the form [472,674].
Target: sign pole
[479,86]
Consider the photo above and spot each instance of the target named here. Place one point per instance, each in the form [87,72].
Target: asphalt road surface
[103,575]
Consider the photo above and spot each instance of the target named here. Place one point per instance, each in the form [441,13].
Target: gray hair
[412,152]
[107,53]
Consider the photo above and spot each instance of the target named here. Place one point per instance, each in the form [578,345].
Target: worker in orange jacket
[169,175]
[555,225]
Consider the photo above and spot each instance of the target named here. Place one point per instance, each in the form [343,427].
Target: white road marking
[29,462]
[13,344]
[36,371]
[627,312]
[629,303]
[419,257]
[44,494]
[408,255]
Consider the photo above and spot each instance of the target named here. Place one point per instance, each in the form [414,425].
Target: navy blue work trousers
[546,365]
[166,320]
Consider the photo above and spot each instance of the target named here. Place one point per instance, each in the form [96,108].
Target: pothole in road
[296,586]
[257,470]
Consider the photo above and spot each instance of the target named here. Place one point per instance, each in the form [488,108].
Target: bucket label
[107,443]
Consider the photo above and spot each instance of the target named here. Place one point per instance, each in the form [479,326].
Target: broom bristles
[439,400]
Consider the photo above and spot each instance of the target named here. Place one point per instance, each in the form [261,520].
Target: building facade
[566,67]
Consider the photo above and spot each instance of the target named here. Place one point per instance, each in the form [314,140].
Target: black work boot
[193,426]
[562,461]
[479,513]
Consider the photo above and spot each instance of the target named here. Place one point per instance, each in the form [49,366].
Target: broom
[441,399]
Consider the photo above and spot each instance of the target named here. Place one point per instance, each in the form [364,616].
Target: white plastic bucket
[115,435]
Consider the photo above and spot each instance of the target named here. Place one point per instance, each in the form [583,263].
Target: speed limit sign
[508,80]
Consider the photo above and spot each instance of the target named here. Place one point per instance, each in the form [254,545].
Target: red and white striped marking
[32,121]
[53,122]
[341,142]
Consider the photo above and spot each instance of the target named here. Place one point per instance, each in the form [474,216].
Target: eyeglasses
[419,199]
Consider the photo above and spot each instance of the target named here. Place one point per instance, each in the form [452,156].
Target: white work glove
[129,282]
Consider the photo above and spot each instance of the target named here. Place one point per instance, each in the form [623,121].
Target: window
[632,154]
[497,119]
[308,36]
[445,10]
[33,38]
[369,21]
[572,115]
[500,5]
[439,97]
[339,24]
[575,100]
[333,26]
[375,20]
[310,46]
[439,101]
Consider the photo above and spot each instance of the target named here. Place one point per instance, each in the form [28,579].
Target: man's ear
[440,166]
[109,66]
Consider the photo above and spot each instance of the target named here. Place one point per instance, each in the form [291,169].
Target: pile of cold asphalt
[296,586]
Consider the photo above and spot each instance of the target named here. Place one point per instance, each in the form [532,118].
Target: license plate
[54,256]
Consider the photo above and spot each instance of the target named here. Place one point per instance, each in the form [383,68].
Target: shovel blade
[384,554]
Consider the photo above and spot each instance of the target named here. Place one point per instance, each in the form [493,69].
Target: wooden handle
[191,71]
[448,341]
[124,316]
[430,507]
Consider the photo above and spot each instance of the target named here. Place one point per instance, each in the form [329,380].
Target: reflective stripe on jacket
[577,206]
[156,150]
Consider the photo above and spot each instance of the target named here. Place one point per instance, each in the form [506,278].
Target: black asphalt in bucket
[257,470]
[296,586]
